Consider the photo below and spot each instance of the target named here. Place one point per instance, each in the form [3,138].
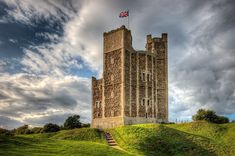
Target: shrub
[86,125]
[210,116]
[222,119]
[50,127]
[72,122]
[5,132]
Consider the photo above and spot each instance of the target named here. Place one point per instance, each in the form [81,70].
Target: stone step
[113,144]
[110,139]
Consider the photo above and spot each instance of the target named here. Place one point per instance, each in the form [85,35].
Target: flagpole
[128,19]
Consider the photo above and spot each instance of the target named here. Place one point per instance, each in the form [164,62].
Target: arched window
[112,113]
[97,104]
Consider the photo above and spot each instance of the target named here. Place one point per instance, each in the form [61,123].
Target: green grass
[77,142]
[197,138]
[82,134]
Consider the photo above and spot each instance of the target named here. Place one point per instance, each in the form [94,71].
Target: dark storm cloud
[2,96]
[206,71]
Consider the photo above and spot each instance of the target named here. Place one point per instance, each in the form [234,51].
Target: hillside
[198,138]
[81,142]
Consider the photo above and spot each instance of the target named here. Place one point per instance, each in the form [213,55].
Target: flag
[124,14]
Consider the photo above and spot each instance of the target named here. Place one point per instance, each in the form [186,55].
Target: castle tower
[134,84]
[158,46]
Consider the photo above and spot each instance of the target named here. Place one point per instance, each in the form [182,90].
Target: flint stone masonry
[134,87]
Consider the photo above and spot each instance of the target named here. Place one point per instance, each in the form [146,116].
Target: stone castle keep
[134,87]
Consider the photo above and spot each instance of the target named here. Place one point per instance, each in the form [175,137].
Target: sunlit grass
[197,138]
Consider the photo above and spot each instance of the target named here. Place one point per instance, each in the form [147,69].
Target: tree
[210,116]
[23,130]
[207,115]
[37,130]
[72,122]
[50,127]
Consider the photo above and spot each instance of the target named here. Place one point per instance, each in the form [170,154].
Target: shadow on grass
[169,141]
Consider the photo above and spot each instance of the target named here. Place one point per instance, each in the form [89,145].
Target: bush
[210,116]
[23,130]
[37,130]
[86,125]
[50,127]
[222,119]
[5,132]
[72,122]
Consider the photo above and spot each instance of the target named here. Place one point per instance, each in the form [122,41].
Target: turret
[153,44]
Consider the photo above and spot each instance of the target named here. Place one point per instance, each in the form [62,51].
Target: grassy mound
[199,138]
[202,128]
[79,142]
[82,134]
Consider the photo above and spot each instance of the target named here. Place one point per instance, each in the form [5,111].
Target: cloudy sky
[49,49]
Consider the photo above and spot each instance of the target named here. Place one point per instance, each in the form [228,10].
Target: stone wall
[160,49]
[127,82]
[138,120]
[133,80]
[97,97]
[142,86]
[107,122]
[112,83]
[113,40]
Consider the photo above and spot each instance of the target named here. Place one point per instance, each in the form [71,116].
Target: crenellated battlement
[115,30]
[152,44]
